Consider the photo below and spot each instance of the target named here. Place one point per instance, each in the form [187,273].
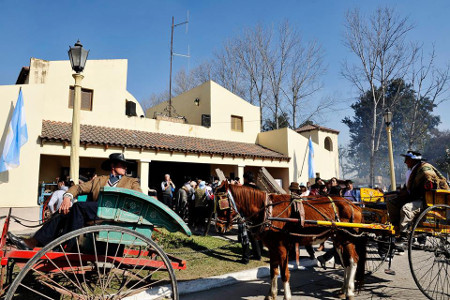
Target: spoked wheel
[429,252]
[378,249]
[78,266]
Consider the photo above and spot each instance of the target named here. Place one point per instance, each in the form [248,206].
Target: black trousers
[60,224]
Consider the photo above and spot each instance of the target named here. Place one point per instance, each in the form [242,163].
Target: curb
[204,284]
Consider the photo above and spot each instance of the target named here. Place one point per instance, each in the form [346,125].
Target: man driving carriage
[72,215]
[421,176]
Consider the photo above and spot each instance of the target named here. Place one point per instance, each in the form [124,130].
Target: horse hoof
[268,297]
[341,295]
[351,298]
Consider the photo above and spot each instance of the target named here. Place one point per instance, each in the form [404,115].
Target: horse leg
[341,293]
[351,271]
[285,275]
[274,263]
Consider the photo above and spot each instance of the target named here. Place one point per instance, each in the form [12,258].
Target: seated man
[57,196]
[421,176]
[73,217]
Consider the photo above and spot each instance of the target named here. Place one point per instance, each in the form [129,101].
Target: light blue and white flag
[16,137]
[311,173]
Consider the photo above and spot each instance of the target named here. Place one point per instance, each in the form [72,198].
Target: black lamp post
[78,56]
[388,120]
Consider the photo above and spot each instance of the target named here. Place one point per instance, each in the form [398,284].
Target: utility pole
[171,57]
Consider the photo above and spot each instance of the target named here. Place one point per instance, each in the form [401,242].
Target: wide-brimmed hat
[294,186]
[115,157]
[413,155]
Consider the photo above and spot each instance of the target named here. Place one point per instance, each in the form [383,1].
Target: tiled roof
[100,135]
[315,127]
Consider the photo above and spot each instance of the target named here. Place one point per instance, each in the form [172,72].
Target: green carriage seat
[134,210]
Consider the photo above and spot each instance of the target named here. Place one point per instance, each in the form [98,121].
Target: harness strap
[334,208]
[298,206]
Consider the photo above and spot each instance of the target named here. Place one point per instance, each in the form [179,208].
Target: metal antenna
[171,58]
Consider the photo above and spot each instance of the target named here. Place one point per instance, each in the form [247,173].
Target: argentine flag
[311,173]
[17,136]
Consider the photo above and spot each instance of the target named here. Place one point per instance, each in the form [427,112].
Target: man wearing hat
[420,176]
[72,217]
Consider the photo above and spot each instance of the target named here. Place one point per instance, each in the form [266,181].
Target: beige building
[219,130]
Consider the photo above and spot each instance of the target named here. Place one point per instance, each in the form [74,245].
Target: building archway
[328,144]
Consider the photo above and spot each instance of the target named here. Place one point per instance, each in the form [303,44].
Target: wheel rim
[429,252]
[97,270]
[378,247]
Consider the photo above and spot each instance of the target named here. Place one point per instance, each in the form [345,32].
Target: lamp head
[387,117]
[197,101]
[78,57]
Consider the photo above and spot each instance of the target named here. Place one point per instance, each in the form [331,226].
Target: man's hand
[65,206]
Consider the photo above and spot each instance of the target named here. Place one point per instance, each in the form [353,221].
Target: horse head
[223,208]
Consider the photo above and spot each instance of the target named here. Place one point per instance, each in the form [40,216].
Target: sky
[140,32]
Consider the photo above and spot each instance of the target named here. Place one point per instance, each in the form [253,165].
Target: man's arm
[73,192]
[135,185]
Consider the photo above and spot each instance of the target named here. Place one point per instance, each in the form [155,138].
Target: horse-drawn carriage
[115,258]
[281,220]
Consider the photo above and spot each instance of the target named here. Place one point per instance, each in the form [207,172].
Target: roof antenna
[177,54]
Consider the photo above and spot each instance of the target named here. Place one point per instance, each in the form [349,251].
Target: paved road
[316,283]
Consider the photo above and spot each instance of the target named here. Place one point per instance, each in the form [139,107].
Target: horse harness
[226,201]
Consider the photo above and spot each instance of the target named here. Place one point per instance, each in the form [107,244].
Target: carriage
[114,258]
[428,245]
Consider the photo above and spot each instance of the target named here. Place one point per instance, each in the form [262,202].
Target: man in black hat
[420,177]
[72,217]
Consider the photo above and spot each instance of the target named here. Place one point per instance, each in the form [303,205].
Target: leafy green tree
[283,121]
[399,97]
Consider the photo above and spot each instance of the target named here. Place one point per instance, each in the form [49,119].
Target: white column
[75,141]
[241,173]
[144,168]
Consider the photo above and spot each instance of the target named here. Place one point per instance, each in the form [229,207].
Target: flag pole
[304,157]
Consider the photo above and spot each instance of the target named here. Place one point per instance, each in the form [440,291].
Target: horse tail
[361,250]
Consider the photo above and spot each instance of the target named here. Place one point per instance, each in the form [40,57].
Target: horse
[255,207]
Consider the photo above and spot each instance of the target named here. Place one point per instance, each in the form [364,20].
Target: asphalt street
[316,283]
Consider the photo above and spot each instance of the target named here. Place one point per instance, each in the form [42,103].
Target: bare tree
[276,61]
[227,68]
[183,82]
[154,99]
[250,51]
[306,66]
[379,44]
[431,84]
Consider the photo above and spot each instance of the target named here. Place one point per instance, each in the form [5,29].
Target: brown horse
[254,206]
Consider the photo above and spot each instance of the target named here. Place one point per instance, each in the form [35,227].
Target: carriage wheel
[429,252]
[97,270]
[378,249]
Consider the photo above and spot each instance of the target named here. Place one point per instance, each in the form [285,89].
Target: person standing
[168,188]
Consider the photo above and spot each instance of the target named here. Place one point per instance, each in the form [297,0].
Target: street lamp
[387,120]
[78,56]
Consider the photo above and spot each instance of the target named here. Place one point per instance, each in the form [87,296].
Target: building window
[86,98]
[328,144]
[237,124]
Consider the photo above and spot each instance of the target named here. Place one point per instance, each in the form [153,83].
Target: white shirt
[56,199]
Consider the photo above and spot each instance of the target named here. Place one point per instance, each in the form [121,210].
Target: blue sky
[140,32]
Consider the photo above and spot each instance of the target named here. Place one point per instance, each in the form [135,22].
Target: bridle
[225,201]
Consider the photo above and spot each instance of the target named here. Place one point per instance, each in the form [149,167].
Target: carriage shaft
[384,227]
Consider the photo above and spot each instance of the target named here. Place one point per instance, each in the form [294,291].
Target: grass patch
[205,255]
